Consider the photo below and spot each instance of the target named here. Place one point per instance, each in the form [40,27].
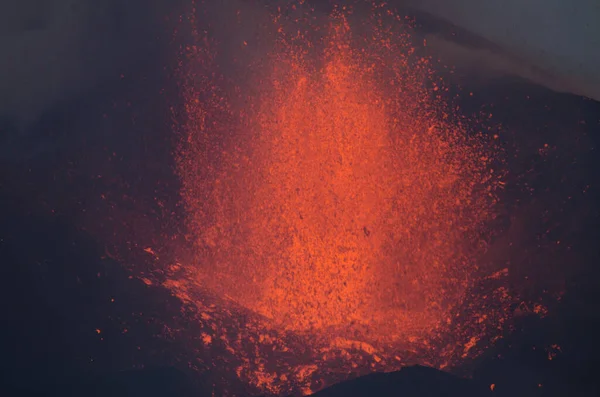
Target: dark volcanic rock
[410,381]
[145,383]
[158,382]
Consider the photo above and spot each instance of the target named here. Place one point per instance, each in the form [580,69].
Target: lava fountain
[333,192]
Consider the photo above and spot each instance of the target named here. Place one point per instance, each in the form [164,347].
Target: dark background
[97,160]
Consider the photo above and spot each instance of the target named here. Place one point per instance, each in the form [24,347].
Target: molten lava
[334,194]
[345,200]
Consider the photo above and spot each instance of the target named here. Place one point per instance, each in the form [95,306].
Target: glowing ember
[344,199]
[332,194]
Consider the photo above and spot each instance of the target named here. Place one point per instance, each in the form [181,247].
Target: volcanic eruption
[284,196]
[330,189]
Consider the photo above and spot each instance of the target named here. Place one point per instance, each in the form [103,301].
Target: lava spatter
[332,194]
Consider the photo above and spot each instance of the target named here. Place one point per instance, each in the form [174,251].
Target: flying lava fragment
[333,192]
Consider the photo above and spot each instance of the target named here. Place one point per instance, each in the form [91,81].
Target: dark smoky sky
[54,52]
[57,52]
[558,36]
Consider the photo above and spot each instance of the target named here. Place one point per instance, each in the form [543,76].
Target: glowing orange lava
[336,207]
[334,195]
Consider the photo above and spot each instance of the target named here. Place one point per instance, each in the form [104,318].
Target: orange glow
[333,195]
[345,201]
